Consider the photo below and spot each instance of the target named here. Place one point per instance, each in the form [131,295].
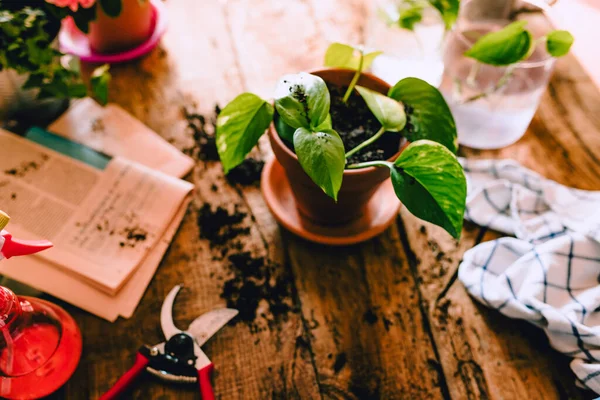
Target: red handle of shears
[127,379]
[206,389]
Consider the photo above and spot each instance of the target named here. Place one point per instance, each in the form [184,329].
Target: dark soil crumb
[256,280]
[203,133]
[370,317]
[422,229]
[213,188]
[387,323]
[23,169]
[13,196]
[220,226]
[440,255]
[443,311]
[131,235]
[247,173]
[340,362]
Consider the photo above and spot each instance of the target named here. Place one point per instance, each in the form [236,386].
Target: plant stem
[367,142]
[355,78]
[473,74]
[503,81]
[370,164]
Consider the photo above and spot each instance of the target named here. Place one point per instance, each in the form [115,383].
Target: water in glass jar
[492,106]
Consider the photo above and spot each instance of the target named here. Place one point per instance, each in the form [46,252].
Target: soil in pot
[355,123]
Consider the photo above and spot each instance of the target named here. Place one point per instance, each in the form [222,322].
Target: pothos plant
[426,176]
[508,47]
[407,13]
[27,46]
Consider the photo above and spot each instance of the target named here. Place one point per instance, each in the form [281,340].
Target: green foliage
[430,117]
[410,12]
[321,155]
[426,177]
[388,112]
[509,45]
[26,46]
[344,56]
[99,82]
[112,8]
[448,9]
[411,16]
[558,43]
[302,100]
[341,55]
[239,126]
[430,182]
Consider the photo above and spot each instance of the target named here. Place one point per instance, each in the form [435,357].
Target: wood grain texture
[385,319]
[484,354]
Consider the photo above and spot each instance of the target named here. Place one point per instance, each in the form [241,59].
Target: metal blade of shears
[206,325]
[166,314]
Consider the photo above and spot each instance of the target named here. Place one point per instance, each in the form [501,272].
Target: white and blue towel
[549,274]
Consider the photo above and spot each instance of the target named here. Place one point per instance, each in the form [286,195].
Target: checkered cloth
[549,274]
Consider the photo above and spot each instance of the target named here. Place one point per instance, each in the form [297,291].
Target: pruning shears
[179,359]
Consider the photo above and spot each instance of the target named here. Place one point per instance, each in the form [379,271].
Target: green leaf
[77,90]
[99,81]
[388,111]
[321,155]
[239,126]
[112,8]
[285,131]
[430,182]
[448,9]
[83,17]
[429,116]
[504,47]
[558,43]
[341,55]
[411,16]
[302,100]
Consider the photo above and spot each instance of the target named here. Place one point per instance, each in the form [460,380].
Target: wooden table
[384,319]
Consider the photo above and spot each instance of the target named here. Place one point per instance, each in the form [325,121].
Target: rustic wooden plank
[256,358]
[367,335]
[484,354]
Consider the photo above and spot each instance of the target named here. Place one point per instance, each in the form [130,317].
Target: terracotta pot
[130,29]
[358,186]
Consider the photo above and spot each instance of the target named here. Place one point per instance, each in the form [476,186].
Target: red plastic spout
[15,247]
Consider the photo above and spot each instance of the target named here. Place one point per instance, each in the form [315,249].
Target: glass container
[492,105]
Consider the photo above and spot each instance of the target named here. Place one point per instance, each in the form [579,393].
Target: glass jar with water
[492,105]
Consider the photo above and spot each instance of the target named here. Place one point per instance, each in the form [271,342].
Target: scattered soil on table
[219,225]
[247,173]
[203,133]
[370,317]
[259,289]
[340,361]
[355,123]
[256,280]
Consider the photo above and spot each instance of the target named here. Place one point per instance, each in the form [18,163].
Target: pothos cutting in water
[509,46]
[407,13]
[426,176]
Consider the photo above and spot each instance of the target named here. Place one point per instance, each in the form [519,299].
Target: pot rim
[348,172]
